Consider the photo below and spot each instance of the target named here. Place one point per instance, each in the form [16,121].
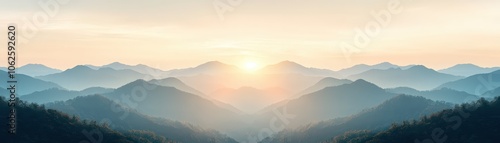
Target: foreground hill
[35,124]
[122,119]
[395,110]
[477,122]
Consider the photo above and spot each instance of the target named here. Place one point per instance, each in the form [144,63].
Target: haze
[171,34]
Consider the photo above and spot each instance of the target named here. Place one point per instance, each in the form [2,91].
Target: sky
[169,34]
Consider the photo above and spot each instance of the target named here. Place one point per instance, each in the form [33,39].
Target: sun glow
[250,66]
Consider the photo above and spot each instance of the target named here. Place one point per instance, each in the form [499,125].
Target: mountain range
[214,98]
[360,68]
[26,84]
[475,84]
[34,70]
[289,67]
[81,77]
[140,68]
[418,77]
[467,70]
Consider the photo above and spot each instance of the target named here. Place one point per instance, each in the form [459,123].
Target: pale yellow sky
[183,33]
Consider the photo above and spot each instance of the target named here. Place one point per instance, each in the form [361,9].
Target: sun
[250,66]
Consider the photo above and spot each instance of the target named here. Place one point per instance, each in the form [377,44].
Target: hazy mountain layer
[418,77]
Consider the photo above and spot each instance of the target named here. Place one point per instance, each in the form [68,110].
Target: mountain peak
[212,64]
[37,70]
[361,82]
[35,65]
[466,65]
[168,79]
[365,85]
[80,68]
[115,64]
[288,63]
[326,79]
[419,67]
[131,85]
[385,65]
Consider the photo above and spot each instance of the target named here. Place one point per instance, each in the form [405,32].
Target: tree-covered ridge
[395,110]
[35,124]
[466,123]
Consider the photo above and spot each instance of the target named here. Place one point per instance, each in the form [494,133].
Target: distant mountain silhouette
[144,69]
[36,70]
[35,124]
[477,122]
[418,77]
[476,84]
[26,84]
[208,68]
[323,83]
[214,75]
[395,110]
[443,94]
[286,67]
[81,77]
[467,70]
[357,69]
[123,119]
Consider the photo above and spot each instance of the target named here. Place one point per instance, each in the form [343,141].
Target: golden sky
[183,33]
